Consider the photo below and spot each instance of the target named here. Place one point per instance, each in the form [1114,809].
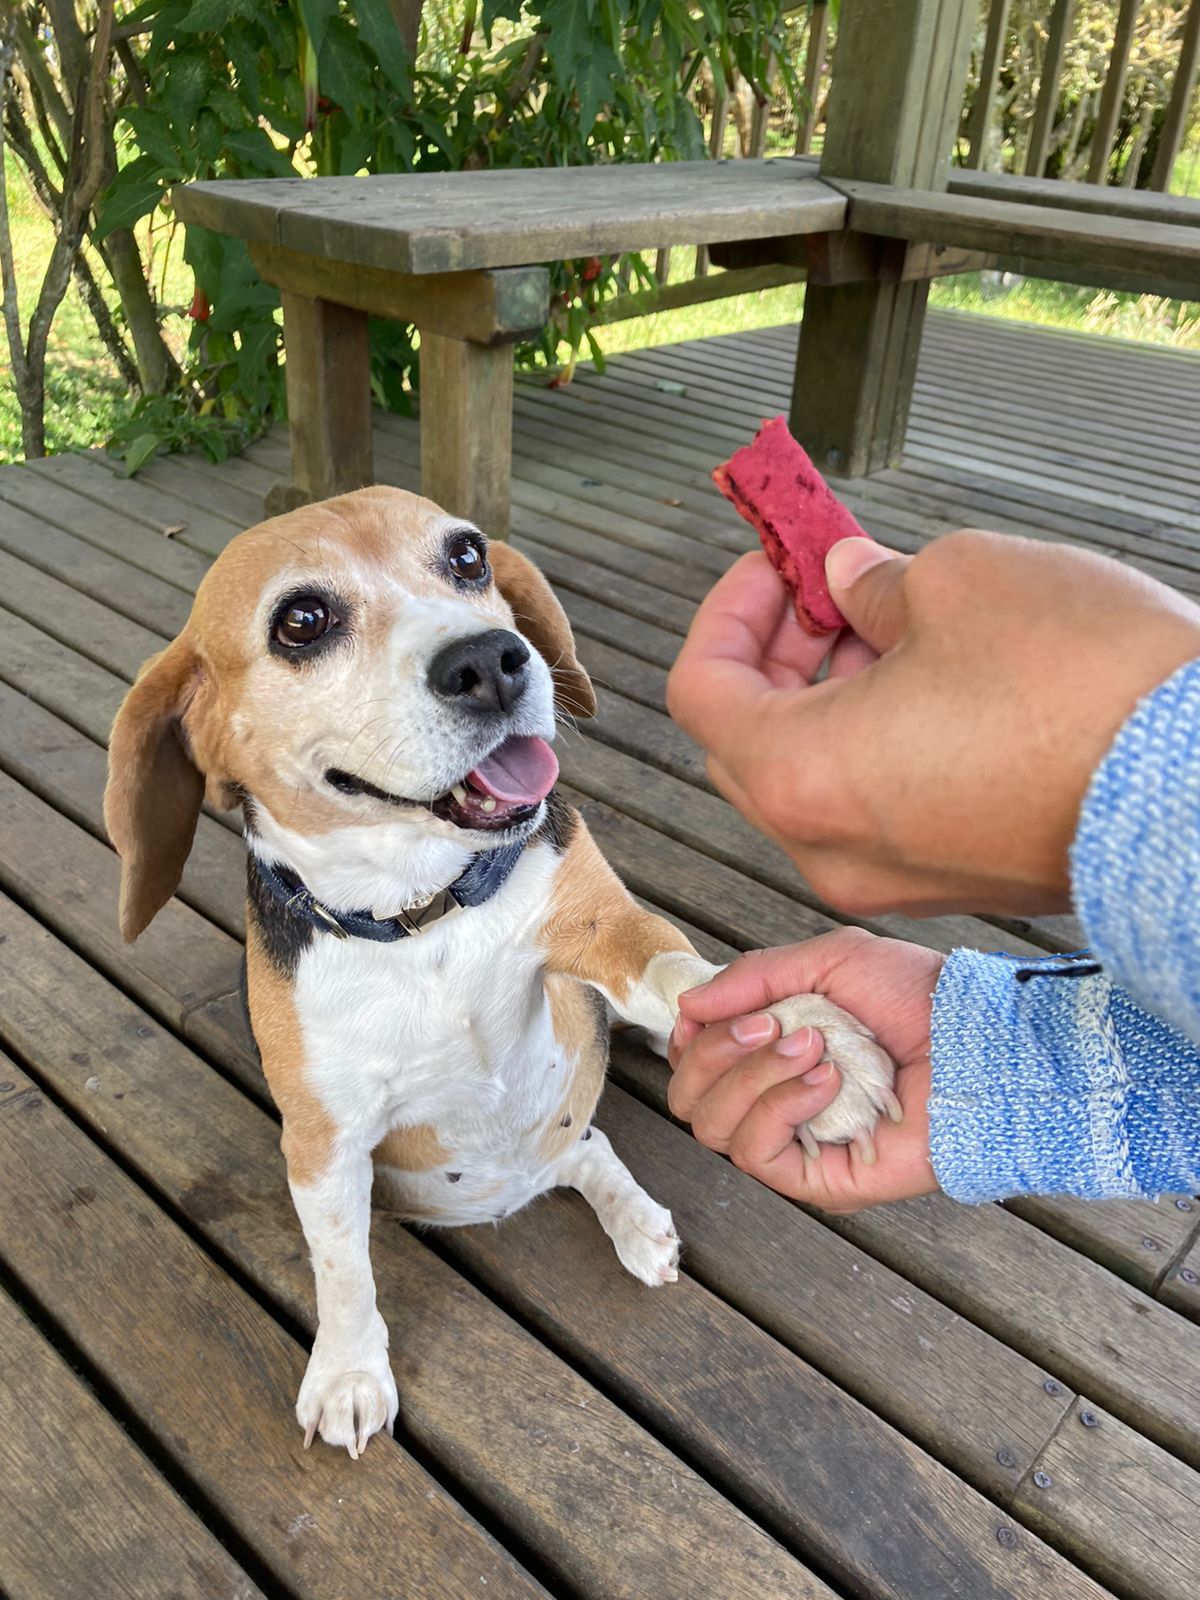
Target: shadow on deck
[920,1402]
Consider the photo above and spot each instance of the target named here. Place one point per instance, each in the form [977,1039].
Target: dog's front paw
[866,1069]
[645,1240]
[347,1395]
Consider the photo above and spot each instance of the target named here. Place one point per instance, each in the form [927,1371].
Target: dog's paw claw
[347,1404]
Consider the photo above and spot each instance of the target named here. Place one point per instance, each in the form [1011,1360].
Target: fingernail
[796,1044]
[674,1039]
[754,1030]
[684,994]
[820,1074]
[850,558]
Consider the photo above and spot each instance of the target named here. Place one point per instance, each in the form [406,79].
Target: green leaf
[143,449]
[208,16]
[597,353]
[183,90]
[594,82]
[257,155]
[378,29]
[127,203]
[155,139]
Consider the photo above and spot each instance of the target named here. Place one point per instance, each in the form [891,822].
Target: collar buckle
[437,908]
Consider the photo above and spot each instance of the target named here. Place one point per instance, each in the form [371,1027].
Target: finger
[714,1052]
[734,1100]
[850,656]
[759,979]
[722,668]
[682,1034]
[866,581]
[770,1123]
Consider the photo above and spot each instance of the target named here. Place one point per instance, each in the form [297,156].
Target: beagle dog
[433,938]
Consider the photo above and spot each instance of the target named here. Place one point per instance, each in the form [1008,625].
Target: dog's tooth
[488,805]
[459,793]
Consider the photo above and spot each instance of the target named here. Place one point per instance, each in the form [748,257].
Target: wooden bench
[450,252]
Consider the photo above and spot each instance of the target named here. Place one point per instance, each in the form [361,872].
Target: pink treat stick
[799,519]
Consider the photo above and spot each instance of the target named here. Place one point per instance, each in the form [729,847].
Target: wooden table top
[451,222]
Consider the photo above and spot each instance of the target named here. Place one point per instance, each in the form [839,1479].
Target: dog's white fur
[461,1057]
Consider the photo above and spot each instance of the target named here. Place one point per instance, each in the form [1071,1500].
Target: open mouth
[501,792]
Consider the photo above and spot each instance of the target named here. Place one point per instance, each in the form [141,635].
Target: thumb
[866,581]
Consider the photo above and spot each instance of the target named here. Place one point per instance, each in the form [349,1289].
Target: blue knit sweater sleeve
[1090,1085]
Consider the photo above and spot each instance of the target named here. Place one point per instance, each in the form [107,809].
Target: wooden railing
[1078,140]
[1050,137]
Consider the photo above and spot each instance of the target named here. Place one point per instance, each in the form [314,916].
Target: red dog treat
[799,519]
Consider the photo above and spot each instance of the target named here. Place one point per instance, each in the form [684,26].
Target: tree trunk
[51,202]
[157,367]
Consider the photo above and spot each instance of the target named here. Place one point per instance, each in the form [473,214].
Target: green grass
[1145,318]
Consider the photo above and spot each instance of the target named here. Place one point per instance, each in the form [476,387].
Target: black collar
[485,874]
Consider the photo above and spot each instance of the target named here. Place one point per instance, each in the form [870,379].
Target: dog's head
[352,662]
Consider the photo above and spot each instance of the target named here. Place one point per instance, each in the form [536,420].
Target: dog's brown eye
[466,560]
[304,622]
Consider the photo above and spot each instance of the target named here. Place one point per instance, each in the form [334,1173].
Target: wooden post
[1175,121]
[1061,19]
[893,112]
[989,74]
[328,371]
[466,429]
[814,62]
[1113,92]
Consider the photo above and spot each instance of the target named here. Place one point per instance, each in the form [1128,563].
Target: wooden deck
[923,1402]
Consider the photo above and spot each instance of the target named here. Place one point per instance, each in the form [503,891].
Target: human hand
[746,1097]
[942,763]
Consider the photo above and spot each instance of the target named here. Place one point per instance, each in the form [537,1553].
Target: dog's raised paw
[867,1074]
[346,1407]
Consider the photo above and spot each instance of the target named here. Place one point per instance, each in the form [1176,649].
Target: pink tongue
[522,771]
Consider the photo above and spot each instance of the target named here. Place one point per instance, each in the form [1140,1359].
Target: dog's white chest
[441,1029]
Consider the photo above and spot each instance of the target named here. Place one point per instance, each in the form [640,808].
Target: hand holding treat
[942,764]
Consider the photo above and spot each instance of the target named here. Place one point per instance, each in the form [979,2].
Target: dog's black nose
[484,672]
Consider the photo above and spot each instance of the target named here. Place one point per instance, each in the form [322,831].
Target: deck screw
[5,1087]
[833,456]
[1187,1275]
[1006,1458]
[1043,1480]
[1150,1244]
[1007,1538]
[1183,1205]
[1052,1386]
[1089,1419]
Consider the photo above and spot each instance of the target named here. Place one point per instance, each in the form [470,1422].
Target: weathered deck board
[891,1404]
[79,1499]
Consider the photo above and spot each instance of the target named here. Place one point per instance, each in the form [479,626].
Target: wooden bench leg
[893,110]
[466,429]
[329,401]
[855,366]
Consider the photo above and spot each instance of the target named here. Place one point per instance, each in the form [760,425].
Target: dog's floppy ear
[154,790]
[544,623]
